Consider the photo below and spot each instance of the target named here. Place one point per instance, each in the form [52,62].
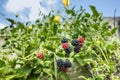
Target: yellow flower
[66,3]
[56,19]
[30,27]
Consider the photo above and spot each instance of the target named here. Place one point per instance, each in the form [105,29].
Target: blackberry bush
[45,36]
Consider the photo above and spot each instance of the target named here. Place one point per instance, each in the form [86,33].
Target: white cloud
[16,6]
[51,2]
[2,25]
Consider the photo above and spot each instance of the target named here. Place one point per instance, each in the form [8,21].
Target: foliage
[99,54]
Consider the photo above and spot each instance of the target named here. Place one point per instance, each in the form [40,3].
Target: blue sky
[28,10]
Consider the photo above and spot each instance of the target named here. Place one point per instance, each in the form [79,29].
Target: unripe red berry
[64,69]
[40,55]
[81,39]
[65,45]
[81,44]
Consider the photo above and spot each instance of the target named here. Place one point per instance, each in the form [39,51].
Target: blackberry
[81,39]
[60,63]
[64,40]
[68,51]
[67,63]
[77,49]
[65,45]
[75,42]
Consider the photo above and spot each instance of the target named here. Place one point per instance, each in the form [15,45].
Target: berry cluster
[77,43]
[66,46]
[63,65]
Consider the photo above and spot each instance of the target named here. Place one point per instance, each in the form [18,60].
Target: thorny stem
[55,67]
[103,54]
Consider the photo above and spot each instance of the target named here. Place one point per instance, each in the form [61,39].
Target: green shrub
[99,53]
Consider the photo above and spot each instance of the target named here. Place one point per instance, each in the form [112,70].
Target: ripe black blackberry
[64,40]
[67,63]
[60,63]
[75,42]
[68,51]
[77,49]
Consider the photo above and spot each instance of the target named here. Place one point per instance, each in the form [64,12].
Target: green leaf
[64,76]
[95,26]
[33,78]
[71,11]
[81,61]
[94,11]
[10,20]
[82,77]
[54,38]
[6,70]
[49,48]
[38,70]
[47,71]
[109,46]
[24,72]
[108,33]
[20,25]
[55,29]
[114,30]
[10,77]
[2,63]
